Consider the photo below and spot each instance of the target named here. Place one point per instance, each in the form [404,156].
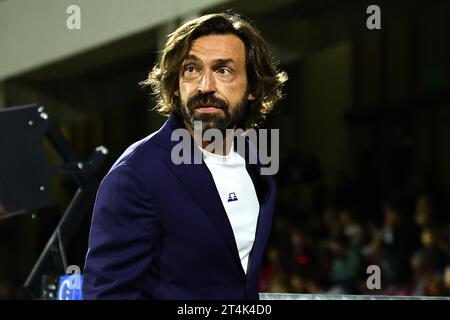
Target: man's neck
[198,138]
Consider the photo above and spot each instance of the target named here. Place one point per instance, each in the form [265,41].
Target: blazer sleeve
[124,232]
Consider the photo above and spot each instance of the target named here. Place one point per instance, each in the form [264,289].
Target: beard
[230,116]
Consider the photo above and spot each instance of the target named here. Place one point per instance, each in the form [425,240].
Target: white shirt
[238,196]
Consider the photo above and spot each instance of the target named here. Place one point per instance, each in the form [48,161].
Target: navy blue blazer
[160,231]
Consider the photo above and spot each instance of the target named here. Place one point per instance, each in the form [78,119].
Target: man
[162,230]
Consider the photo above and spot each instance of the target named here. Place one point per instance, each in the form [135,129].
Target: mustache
[206,99]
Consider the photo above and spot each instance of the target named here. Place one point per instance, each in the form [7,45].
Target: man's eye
[224,71]
[189,69]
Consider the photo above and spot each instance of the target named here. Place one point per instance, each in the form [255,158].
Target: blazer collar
[198,180]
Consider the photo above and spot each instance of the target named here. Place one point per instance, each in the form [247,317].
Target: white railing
[293,296]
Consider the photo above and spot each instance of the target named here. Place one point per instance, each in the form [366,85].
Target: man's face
[213,85]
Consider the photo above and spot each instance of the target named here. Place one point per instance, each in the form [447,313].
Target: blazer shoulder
[143,154]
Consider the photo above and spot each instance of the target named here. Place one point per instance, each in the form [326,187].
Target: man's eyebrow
[216,62]
[223,62]
[191,57]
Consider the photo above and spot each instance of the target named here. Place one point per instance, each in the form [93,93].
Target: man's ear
[177,93]
[251,97]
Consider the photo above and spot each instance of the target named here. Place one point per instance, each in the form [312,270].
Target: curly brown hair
[264,79]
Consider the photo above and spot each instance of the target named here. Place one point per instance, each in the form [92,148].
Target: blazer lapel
[266,192]
[267,206]
[198,180]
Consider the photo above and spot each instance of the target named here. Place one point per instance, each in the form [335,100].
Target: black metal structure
[24,171]
[30,124]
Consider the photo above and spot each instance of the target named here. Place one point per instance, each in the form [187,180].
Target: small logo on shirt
[232,197]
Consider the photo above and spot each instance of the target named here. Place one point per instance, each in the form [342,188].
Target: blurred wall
[327,97]
[34,33]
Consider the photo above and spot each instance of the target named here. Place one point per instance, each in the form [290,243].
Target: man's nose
[207,83]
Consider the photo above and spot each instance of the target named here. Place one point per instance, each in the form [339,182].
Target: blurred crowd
[326,247]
